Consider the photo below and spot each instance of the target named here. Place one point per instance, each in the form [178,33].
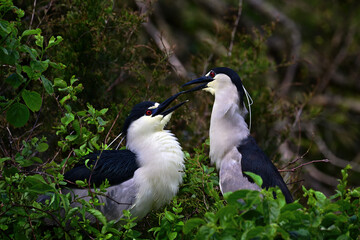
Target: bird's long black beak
[204,80]
[161,108]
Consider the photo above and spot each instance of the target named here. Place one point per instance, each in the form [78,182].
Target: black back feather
[115,165]
[255,160]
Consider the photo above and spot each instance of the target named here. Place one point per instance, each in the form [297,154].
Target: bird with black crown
[232,149]
[143,177]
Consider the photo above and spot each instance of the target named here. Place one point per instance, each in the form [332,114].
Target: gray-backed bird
[143,177]
[232,148]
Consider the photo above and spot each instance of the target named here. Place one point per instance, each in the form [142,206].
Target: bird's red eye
[148,112]
[212,74]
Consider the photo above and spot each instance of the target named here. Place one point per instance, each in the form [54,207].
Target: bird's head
[147,117]
[217,80]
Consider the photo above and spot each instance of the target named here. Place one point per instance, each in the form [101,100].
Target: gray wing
[231,175]
[116,199]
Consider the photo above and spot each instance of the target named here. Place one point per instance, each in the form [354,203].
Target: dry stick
[117,116]
[63,168]
[338,59]
[302,165]
[321,177]
[296,159]
[235,27]
[269,10]
[32,15]
[46,11]
[323,148]
[352,104]
[206,64]
[160,41]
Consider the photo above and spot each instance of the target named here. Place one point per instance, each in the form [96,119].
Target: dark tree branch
[302,165]
[269,10]
[235,27]
[160,41]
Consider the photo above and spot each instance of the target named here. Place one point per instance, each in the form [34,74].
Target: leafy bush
[37,87]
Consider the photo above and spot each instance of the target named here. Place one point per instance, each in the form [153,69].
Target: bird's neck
[162,166]
[227,126]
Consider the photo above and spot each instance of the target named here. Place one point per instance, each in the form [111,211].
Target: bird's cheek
[210,90]
[166,119]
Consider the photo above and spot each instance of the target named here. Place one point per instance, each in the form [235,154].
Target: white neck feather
[162,166]
[227,124]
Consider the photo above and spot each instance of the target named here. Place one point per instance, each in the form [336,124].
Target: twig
[338,59]
[302,165]
[46,11]
[206,64]
[235,27]
[63,168]
[323,148]
[296,159]
[117,116]
[352,104]
[321,177]
[266,8]
[117,81]
[160,41]
[32,15]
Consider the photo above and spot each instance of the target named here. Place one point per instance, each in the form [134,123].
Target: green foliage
[102,46]
[24,64]
[258,215]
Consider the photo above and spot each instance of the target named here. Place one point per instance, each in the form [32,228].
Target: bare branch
[323,148]
[117,81]
[266,8]
[32,15]
[328,100]
[161,42]
[302,165]
[321,177]
[117,116]
[235,27]
[338,59]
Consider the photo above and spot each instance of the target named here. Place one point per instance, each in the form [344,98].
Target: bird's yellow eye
[148,113]
[212,74]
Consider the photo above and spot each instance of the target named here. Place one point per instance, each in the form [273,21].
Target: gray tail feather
[43,198]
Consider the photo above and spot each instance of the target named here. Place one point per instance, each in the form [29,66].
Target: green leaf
[36,183]
[32,100]
[257,179]
[58,82]
[76,126]
[172,235]
[31,51]
[42,147]
[98,215]
[47,85]
[31,32]
[54,41]
[169,216]
[4,159]
[36,159]
[9,56]
[39,66]
[101,121]
[15,80]
[103,111]
[39,40]
[57,65]
[17,115]
[71,138]
[68,118]
[291,207]
[28,70]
